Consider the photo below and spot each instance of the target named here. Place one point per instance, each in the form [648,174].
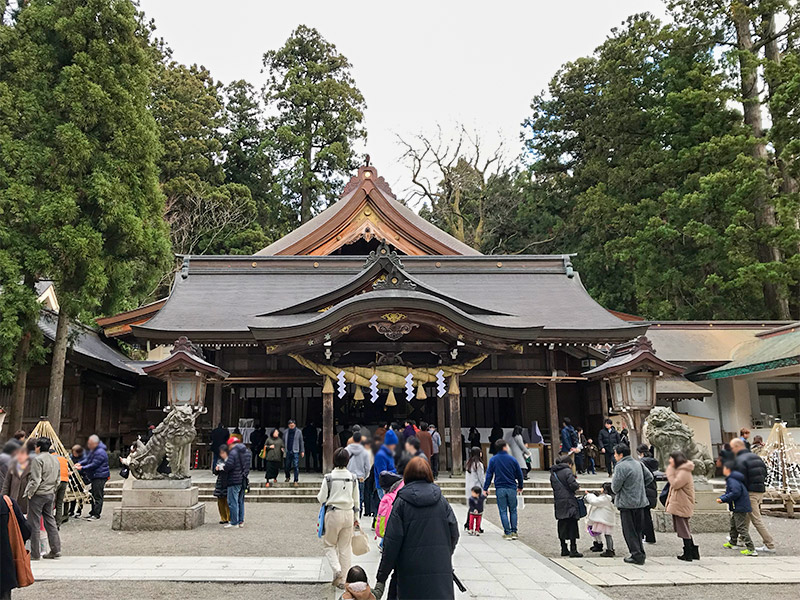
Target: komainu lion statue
[669,434]
[172,438]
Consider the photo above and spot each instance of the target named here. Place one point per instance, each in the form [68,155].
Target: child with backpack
[600,518]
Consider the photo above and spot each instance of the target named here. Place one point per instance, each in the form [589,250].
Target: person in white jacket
[601,517]
[339,493]
[517,449]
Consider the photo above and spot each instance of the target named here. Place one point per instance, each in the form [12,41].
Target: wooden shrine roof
[367,209]
[222,298]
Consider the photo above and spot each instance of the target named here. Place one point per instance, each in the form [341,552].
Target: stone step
[291,498]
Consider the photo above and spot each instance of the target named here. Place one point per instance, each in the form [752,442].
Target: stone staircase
[536,491]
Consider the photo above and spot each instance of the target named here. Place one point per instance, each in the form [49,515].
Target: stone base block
[717,521]
[158,518]
[160,498]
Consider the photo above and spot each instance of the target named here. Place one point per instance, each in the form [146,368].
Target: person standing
[508,481]
[474,474]
[61,491]
[754,470]
[412,450]
[495,434]
[744,435]
[257,439]
[310,443]
[40,492]
[339,493]
[237,465]
[436,439]
[273,454]
[221,486]
[519,451]
[474,438]
[628,484]
[295,450]
[421,536]
[569,437]
[19,472]
[425,440]
[651,490]
[384,460]
[738,501]
[680,502]
[607,440]
[75,506]
[94,467]
[359,465]
[9,450]
[565,503]
[219,437]
[580,458]
[13,528]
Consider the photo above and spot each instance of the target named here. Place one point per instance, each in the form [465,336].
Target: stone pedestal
[156,504]
[709,517]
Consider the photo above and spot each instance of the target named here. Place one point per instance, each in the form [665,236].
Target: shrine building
[369,314]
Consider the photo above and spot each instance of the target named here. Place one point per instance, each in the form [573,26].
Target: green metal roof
[761,354]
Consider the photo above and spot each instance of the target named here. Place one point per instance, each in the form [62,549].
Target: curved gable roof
[367,209]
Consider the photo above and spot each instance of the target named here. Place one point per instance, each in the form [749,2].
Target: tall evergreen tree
[319,114]
[651,171]
[78,75]
[205,214]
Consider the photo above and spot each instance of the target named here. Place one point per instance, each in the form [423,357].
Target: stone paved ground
[706,592]
[537,528]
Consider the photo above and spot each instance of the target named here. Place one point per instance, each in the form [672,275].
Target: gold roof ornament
[393,317]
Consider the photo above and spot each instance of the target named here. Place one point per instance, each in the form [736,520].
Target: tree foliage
[318,118]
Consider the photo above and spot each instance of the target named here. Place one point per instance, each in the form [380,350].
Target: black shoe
[575,554]
[564,549]
[688,547]
[596,547]
[695,552]
[632,561]
[608,554]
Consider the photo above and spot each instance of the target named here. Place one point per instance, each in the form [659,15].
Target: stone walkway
[489,566]
[605,572]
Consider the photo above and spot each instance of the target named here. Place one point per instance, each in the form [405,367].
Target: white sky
[418,64]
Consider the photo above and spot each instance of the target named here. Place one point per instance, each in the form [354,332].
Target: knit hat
[390,438]
[233,440]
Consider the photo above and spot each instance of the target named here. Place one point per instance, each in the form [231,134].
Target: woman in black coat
[8,573]
[564,484]
[421,535]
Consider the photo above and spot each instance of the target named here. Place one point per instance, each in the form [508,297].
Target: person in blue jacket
[94,467]
[507,475]
[569,437]
[738,501]
[384,459]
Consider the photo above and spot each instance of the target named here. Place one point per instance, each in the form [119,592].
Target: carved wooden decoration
[393,331]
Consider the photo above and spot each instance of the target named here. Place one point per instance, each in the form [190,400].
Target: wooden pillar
[216,404]
[552,406]
[454,398]
[98,423]
[441,424]
[327,425]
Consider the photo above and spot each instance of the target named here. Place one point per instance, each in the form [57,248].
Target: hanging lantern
[421,395]
[390,399]
[358,396]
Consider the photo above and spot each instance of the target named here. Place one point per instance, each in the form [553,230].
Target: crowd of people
[34,482]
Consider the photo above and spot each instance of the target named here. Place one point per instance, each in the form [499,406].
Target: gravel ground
[270,530]
[158,590]
[709,592]
[537,528]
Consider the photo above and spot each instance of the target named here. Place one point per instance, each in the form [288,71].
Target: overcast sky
[417,63]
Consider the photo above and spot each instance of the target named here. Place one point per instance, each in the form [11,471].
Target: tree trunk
[305,187]
[17,409]
[57,371]
[764,211]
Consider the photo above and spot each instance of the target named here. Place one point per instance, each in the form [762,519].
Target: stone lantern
[186,375]
[631,372]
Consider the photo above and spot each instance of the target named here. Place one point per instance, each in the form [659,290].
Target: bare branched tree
[202,219]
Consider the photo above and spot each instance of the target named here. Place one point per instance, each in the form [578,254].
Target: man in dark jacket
[384,459]
[569,437]
[651,490]
[257,440]
[238,469]
[219,436]
[94,467]
[755,477]
[607,440]
[508,479]
[413,449]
